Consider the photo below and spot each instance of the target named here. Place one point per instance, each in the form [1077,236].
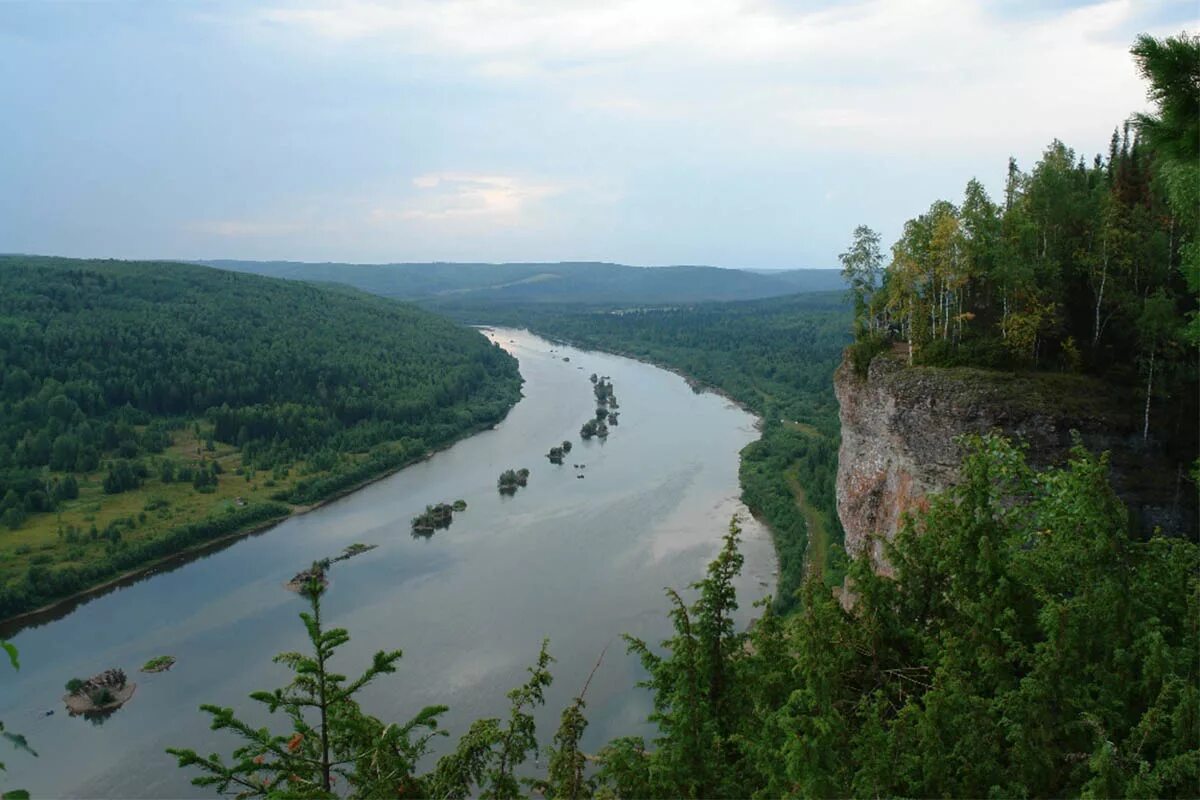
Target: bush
[42,584]
[863,351]
[982,353]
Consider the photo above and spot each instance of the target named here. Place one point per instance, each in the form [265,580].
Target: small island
[159,664]
[510,480]
[301,580]
[557,452]
[594,427]
[435,517]
[606,403]
[352,550]
[100,694]
[603,389]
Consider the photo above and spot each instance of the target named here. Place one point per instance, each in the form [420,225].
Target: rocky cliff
[899,426]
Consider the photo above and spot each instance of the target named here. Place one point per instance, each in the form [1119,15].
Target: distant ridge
[558,282]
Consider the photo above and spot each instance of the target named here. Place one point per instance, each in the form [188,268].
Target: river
[579,561]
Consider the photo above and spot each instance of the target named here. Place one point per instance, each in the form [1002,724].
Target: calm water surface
[577,561]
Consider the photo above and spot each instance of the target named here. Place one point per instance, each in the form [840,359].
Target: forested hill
[155,379]
[564,282]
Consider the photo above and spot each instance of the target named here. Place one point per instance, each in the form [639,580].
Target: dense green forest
[481,285]
[776,357]
[1083,265]
[140,377]
[1021,650]
[1025,644]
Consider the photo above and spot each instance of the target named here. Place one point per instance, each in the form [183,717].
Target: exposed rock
[899,425]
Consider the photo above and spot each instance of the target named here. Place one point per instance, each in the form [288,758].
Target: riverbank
[786,455]
[656,502]
[695,383]
[59,606]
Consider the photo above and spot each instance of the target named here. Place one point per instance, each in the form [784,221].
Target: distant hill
[564,282]
[147,407]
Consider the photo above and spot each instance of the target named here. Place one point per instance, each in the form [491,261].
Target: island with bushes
[436,517]
[305,577]
[606,403]
[433,518]
[100,694]
[557,453]
[512,479]
[594,427]
[159,664]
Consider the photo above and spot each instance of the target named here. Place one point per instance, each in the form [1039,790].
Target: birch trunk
[1149,388]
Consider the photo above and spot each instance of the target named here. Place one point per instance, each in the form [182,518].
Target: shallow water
[577,561]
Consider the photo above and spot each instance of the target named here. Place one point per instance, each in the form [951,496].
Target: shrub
[863,351]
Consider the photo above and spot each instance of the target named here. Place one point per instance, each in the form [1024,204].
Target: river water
[579,561]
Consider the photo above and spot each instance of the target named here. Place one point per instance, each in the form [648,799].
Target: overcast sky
[740,134]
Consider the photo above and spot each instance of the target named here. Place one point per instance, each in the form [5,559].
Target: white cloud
[944,73]
[554,29]
[498,199]
[675,128]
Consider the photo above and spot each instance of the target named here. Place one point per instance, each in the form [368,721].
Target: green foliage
[512,479]
[329,736]
[102,359]
[784,463]
[159,664]
[42,584]
[700,702]
[566,770]
[1084,267]
[594,428]
[864,349]
[776,357]
[18,741]
[862,269]
[1172,69]
[487,756]
[1026,646]
[330,742]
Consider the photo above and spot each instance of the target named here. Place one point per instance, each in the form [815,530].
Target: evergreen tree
[328,736]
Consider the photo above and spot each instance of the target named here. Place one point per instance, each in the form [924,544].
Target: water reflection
[578,561]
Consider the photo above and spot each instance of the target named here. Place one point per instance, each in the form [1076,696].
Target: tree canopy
[1082,266]
[104,364]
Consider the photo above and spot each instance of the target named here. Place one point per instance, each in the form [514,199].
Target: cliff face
[899,425]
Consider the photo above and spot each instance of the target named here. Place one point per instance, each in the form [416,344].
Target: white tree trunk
[1149,388]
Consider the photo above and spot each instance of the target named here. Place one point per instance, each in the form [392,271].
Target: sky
[736,133]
